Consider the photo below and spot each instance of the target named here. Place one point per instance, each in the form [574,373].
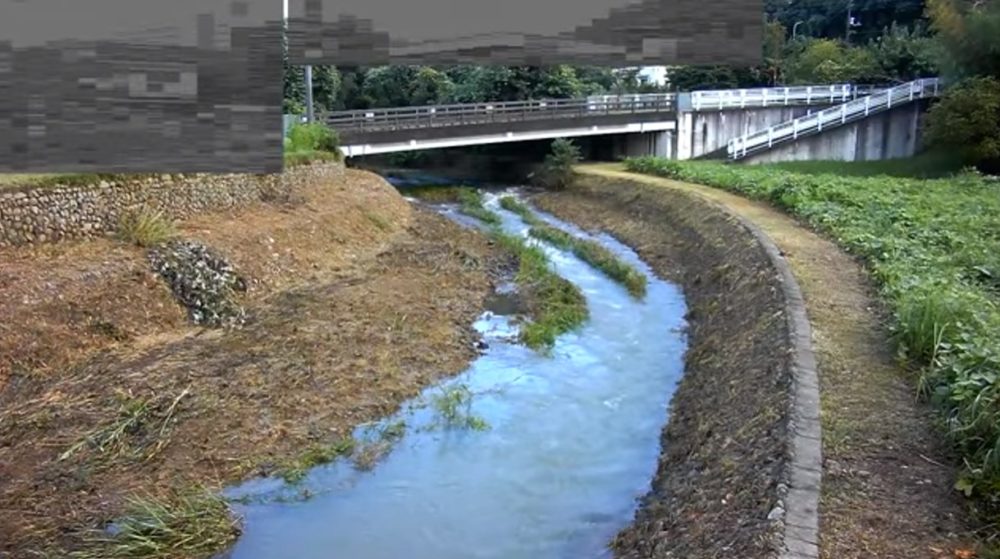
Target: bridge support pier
[659,144]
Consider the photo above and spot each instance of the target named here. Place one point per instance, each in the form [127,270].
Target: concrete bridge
[679,126]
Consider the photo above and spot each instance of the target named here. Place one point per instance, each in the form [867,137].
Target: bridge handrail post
[809,94]
[868,105]
[765,97]
[786,96]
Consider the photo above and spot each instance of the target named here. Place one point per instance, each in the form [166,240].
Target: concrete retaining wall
[702,133]
[889,135]
[95,206]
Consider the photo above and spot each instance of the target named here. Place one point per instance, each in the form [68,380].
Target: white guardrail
[850,111]
[770,96]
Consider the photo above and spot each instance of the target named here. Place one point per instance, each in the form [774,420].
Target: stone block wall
[65,211]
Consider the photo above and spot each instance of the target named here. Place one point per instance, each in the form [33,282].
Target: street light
[796,28]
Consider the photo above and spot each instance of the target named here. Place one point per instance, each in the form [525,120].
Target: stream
[562,445]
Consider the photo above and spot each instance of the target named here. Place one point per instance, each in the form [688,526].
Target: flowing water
[570,444]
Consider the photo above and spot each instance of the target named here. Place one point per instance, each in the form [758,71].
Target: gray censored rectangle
[122,86]
[526,32]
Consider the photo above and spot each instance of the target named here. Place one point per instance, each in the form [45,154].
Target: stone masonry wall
[65,211]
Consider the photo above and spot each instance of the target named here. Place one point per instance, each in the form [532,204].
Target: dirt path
[357,302]
[887,486]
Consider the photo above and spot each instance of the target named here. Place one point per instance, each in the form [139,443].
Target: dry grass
[326,348]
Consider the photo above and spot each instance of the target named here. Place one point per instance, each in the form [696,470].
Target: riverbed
[561,448]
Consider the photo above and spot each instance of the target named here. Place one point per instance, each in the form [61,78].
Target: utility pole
[309,94]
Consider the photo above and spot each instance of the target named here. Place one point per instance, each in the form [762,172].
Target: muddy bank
[722,470]
[355,301]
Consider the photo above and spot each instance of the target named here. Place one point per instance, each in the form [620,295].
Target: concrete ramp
[780,142]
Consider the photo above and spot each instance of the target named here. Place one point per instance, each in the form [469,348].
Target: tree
[557,170]
[388,86]
[969,115]
[830,61]
[695,78]
[967,33]
[905,54]
[430,86]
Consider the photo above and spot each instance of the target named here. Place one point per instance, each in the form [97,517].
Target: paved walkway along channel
[887,486]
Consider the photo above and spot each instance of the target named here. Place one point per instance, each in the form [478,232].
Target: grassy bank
[307,143]
[933,248]
[928,165]
[589,251]
[557,305]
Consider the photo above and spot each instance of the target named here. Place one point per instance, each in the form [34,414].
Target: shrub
[557,171]
[968,115]
[145,228]
[309,142]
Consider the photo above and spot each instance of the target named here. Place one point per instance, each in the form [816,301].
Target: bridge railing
[850,111]
[402,118]
[771,96]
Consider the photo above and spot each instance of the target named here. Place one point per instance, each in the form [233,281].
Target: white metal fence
[850,111]
[777,96]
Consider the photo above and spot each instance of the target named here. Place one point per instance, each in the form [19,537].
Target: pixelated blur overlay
[140,85]
[530,32]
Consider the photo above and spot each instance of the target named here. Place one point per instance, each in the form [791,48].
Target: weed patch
[596,255]
[196,523]
[146,228]
[559,306]
[454,409]
[295,470]
[141,428]
[471,204]
[929,244]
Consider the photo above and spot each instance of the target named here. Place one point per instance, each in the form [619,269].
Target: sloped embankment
[354,301]
[722,479]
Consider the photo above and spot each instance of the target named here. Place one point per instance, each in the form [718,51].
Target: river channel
[563,447]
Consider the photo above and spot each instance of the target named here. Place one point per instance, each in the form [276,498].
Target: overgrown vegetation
[927,165]
[559,305]
[557,170]
[932,246]
[308,142]
[195,523]
[146,228]
[589,251]
[596,255]
[471,204]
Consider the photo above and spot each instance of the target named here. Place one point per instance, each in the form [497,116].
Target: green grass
[196,523]
[931,164]
[311,142]
[295,470]
[454,409]
[146,228]
[591,252]
[933,246]
[559,306]
[471,203]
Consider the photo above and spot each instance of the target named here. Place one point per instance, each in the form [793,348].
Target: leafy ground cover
[933,247]
[928,165]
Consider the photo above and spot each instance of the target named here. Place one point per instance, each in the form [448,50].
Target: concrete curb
[798,496]
[804,470]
